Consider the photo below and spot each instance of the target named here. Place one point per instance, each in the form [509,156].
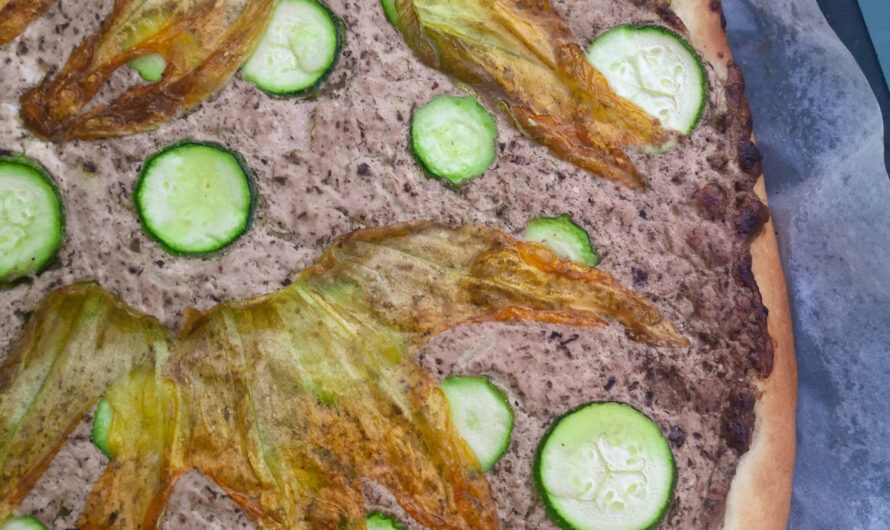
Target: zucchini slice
[454,138]
[605,466]
[482,414]
[195,198]
[32,224]
[381,521]
[656,69]
[149,67]
[565,238]
[27,522]
[101,423]
[298,50]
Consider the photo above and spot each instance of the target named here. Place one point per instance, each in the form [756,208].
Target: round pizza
[386,264]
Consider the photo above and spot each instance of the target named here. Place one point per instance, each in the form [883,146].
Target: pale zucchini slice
[32,224]
[482,414]
[297,51]
[655,68]
[605,466]
[195,198]
[454,138]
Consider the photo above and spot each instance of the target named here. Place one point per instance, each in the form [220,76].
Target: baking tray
[819,127]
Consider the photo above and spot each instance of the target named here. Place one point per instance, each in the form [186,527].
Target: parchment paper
[819,128]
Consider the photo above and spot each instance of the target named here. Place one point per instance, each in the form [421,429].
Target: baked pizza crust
[760,493]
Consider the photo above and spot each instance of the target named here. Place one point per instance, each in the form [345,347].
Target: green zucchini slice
[381,521]
[482,414]
[605,466]
[298,50]
[27,522]
[32,224]
[195,198]
[454,138]
[565,238]
[656,69]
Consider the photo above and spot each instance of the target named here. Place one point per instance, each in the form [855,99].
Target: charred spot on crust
[750,159]
[743,272]
[738,426]
[737,102]
[750,216]
[761,355]
[711,201]
[762,358]
[754,336]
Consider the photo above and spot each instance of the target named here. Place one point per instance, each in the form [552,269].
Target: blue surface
[877,17]
[819,127]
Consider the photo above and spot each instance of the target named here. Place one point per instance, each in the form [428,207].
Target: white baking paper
[820,130]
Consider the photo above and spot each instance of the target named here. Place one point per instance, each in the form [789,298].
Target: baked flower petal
[288,400]
[203,43]
[16,15]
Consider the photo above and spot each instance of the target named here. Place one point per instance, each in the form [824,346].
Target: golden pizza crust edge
[760,493]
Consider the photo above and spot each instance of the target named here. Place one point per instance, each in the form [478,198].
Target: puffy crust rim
[760,493]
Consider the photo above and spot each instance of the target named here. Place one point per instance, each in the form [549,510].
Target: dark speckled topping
[340,161]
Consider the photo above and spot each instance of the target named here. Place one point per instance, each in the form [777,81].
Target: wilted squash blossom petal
[288,400]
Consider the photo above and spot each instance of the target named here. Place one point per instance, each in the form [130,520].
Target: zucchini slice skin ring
[598,446]
[174,243]
[257,69]
[35,182]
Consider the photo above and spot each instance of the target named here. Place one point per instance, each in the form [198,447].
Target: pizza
[463,265]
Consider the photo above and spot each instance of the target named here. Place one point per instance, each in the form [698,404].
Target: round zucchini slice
[482,414]
[298,50]
[605,466]
[454,138]
[32,223]
[195,198]
[656,69]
